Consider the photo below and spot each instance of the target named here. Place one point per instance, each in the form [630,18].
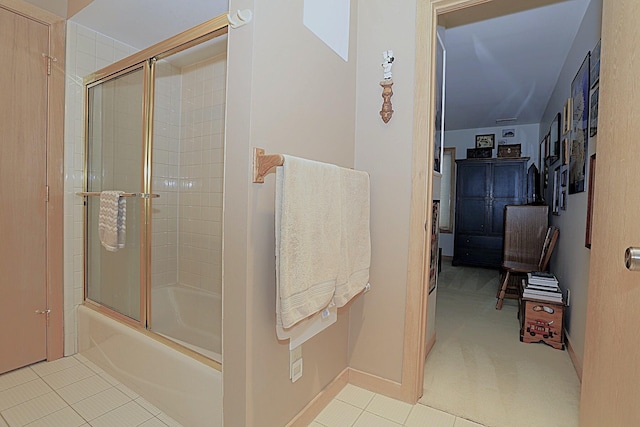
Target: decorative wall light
[386,83]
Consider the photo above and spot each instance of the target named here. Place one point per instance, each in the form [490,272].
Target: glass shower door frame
[146,59]
[145,186]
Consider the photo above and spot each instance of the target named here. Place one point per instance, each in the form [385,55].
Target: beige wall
[385,151]
[571,259]
[288,93]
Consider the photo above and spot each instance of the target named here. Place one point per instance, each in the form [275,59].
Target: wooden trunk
[541,321]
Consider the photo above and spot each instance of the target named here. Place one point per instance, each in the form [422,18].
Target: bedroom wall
[570,261]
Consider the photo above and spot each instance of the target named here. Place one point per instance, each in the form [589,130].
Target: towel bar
[141,195]
[264,164]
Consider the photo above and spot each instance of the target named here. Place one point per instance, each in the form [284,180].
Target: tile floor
[356,407]
[72,392]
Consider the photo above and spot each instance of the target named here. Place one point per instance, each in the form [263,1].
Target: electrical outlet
[295,363]
[296,370]
[568,297]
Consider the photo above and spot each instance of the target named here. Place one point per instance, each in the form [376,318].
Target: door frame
[414,349]
[55,171]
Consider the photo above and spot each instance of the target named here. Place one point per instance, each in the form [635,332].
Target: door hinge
[45,312]
[46,193]
[49,60]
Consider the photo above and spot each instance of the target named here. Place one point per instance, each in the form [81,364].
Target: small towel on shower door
[112,220]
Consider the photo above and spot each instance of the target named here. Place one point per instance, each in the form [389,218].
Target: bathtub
[190,317]
[184,388]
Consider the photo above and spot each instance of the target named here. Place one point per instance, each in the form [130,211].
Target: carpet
[479,370]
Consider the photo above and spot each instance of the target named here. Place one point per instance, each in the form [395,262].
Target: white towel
[356,237]
[307,238]
[112,220]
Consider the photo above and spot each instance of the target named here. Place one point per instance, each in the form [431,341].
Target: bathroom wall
[386,151]
[87,51]
[290,94]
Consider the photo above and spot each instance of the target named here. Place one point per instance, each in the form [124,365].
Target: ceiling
[142,23]
[498,67]
[506,66]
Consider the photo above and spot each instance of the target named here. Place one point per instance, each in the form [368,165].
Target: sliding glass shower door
[155,131]
[115,161]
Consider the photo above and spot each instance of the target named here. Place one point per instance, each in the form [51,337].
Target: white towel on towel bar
[307,238]
[356,236]
[112,218]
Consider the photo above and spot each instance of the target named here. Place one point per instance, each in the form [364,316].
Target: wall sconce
[386,83]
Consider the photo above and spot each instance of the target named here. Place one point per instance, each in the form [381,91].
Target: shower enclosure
[155,130]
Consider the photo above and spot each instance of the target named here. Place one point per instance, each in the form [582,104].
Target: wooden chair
[511,267]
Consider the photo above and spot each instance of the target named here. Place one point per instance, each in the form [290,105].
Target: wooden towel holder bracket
[263,164]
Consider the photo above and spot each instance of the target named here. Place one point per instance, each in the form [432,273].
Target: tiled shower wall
[87,51]
[188,162]
[166,170]
[201,175]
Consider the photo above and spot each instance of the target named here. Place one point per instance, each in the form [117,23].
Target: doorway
[443,7]
[31,80]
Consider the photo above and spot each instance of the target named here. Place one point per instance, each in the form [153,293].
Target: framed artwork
[555,206]
[594,73]
[438,139]
[542,168]
[565,151]
[486,141]
[554,137]
[566,117]
[563,198]
[579,138]
[508,133]
[593,114]
[592,181]
[547,151]
[435,227]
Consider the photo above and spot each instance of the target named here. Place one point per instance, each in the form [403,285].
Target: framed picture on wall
[593,114]
[435,228]
[565,151]
[566,117]
[554,137]
[594,73]
[556,192]
[592,182]
[579,131]
[486,141]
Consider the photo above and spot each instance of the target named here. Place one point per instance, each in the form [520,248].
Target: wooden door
[23,153]
[611,373]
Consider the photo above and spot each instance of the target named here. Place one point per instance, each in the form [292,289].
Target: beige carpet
[479,369]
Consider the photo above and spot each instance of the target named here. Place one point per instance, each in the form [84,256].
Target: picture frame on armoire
[486,141]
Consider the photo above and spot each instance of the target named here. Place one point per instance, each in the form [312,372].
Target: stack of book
[543,286]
